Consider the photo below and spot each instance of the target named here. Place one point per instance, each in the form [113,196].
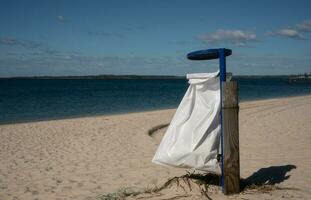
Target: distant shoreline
[134,77]
[98,77]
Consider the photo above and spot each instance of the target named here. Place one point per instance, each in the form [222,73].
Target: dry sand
[85,157]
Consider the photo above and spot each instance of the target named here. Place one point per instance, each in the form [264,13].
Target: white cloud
[62,18]
[290,32]
[8,41]
[68,63]
[107,34]
[304,26]
[236,37]
[295,31]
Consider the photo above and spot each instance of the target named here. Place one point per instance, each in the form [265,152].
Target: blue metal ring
[207,54]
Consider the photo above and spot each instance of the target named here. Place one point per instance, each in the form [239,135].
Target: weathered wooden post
[230,127]
[230,162]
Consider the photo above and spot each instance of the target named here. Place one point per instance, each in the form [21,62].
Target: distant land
[111,77]
[104,77]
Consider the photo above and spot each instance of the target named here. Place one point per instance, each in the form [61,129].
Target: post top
[207,54]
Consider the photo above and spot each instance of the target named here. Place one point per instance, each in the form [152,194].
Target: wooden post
[230,123]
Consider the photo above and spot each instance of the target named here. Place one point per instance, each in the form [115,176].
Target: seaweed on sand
[186,182]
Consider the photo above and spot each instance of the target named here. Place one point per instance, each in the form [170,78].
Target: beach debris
[184,186]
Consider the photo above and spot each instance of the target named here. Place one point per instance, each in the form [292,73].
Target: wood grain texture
[230,123]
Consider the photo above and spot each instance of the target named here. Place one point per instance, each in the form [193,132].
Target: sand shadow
[268,176]
[262,180]
[263,177]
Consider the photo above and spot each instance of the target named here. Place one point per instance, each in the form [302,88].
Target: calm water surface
[33,99]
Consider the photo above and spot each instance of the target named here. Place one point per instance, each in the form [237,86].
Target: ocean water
[41,99]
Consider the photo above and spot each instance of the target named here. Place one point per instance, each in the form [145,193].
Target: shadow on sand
[264,177]
[268,176]
[263,180]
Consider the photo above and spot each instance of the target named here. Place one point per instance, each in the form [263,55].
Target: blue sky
[72,37]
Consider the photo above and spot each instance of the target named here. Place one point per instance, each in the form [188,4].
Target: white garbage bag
[192,139]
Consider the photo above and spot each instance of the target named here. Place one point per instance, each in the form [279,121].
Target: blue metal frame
[222,66]
[210,54]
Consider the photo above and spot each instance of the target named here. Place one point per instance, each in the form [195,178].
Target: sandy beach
[84,158]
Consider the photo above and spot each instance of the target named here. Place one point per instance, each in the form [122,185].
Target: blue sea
[24,100]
